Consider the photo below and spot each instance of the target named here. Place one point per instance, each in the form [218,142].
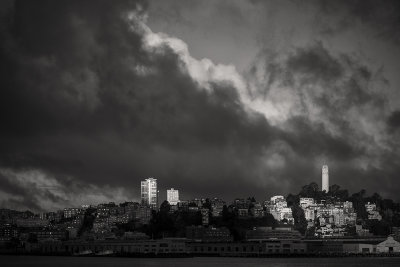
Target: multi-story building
[306,202]
[173,196]
[205,216]
[279,209]
[257,210]
[309,213]
[71,212]
[373,214]
[149,193]
[217,205]
[276,199]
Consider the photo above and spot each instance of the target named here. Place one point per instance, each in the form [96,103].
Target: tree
[359,204]
[165,207]
[300,222]
[292,200]
[309,190]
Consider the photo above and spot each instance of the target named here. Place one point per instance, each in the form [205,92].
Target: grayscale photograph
[199,133]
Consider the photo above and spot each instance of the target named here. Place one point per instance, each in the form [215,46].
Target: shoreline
[191,255]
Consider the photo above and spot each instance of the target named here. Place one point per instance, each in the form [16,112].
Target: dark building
[208,234]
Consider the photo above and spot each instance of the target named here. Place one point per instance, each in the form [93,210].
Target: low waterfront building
[267,233]
[208,234]
[124,247]
[388,246]
[249,248]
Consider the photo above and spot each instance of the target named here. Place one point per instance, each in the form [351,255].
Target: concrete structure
[325,178]
[173,196]
[149,193]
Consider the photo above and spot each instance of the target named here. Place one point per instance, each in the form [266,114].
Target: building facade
[173,196]
[149,192]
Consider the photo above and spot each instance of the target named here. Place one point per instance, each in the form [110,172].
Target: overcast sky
[214,98]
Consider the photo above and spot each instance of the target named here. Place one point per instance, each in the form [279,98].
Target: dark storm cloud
[87,104]
[74,103]
[317,62]
[336,107]
[381,16]
[394,120]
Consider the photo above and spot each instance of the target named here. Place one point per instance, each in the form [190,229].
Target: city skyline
[214,98]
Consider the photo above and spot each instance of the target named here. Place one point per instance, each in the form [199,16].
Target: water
[51,261]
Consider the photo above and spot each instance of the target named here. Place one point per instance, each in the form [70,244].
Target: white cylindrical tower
[325,178]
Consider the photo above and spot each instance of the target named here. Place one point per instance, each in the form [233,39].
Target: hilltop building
[325,178]
[173,196]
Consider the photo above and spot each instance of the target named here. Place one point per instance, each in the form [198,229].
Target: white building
[276,199]
[309,213]
[325,178]
[279,209]
[373,214]
[149,192]
[306,202]
[389,245]
[173,196]
[370,207]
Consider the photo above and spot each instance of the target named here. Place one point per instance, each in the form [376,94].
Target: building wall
[389,245]
[149,192]
[173,196]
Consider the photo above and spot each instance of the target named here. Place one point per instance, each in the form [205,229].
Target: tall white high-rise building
[325,178]
[173,196]
[149,193]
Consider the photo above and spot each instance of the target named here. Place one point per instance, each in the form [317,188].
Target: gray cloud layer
[92,102]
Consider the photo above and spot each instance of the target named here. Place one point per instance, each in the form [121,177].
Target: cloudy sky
[214,98]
